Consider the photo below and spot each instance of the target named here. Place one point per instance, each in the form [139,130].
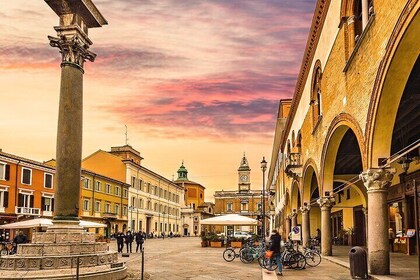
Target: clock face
[244,178]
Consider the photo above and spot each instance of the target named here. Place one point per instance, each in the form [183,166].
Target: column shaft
[326,240]
[69,144]
[378,246]
[306,231]
[365,13]
[288,228]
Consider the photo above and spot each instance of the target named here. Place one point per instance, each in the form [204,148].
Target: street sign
[296,233]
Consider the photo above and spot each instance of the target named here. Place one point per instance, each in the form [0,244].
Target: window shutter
[7,173]
[43,203]
[32,202]
[6,199]
[20,200]
[52,204]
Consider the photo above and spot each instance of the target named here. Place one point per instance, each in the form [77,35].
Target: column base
[379,263]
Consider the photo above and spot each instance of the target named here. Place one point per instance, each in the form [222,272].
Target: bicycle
[312,256]
[229,254]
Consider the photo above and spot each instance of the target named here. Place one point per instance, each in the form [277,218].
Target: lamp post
[263,168]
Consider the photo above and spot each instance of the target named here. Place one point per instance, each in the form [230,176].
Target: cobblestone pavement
[184,258]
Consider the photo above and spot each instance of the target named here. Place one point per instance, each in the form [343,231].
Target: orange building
[26,189]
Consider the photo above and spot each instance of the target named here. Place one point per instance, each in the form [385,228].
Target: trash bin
[358,263]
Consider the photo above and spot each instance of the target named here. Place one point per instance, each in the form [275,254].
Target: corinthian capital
[305,209]
[377,179]
[326,202]
[73,50]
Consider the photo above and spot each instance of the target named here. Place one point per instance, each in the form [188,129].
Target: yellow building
[153,201]
[104,200]
[346,158]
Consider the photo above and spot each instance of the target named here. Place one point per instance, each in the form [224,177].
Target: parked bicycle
[229,254]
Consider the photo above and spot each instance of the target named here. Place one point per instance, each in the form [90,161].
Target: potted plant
[350,233]
[236,242]
[204,240]
[216,241]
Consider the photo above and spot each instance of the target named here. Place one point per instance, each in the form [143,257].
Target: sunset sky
[194,80]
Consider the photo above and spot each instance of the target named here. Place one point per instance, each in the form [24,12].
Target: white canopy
[42,222]
[230,220]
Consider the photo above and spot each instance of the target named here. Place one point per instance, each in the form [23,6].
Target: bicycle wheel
[245,256]
[313,258]
[229,255]
[297,261]
[269,264]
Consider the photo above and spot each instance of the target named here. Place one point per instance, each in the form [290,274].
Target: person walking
[139,241]
[275,246]
[120,241]
[129,241]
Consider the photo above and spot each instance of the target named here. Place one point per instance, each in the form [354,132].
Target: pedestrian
[120,241]
[318,235]
[171,234]
[275,246]
[391,238]
[129,241]
[139,241]
[163,235]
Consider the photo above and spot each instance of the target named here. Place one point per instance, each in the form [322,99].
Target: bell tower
[244,181]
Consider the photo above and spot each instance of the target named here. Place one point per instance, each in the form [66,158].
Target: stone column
[377,182]
[365,212]
[293,218]
[306,230]
[326,203]
[288,228]
[352,33]
[365,13]
[73,42]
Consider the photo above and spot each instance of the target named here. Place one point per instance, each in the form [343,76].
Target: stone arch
[401,54]
[339,126]
[295,196]
[309,169]
[360,189]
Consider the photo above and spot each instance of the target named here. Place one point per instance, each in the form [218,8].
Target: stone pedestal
[326,203]
[306,230]
[377,182]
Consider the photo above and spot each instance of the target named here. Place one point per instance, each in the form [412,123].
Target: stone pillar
[326,203]
[352,33]
[73,42]
[377,182]
[293,217]
[306,229]
[365,13]
[365,212]
[288,227]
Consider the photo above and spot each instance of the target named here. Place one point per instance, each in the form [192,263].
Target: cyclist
[275,246]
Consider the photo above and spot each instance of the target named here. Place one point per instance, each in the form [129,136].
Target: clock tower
[244,181]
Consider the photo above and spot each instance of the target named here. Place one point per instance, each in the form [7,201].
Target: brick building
[346,158]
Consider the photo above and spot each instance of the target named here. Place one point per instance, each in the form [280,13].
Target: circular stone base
[103,272]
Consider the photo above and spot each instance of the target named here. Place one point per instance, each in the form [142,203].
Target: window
[156,207]
[4,197]
[141,184]
[133,201]
[86,183]
[316,102]
[108,188]
[47,203]
[149,205]
[48,181]
[4,171]
[148,187]
[97,206]
[117,190]
[155,191]
[108,207]
[86,204]
[156,225]
[133,182]
[25,199]
[117,209]
[125,194]
[26,176]
[348,194]
[97,186]
[125,211]
[164,194]
[244,206]
[229,206]
[160,192]
[141,203]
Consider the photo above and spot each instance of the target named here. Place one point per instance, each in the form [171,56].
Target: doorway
[359,237]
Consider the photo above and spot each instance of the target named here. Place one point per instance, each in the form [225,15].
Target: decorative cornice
[311,43]
[377,179]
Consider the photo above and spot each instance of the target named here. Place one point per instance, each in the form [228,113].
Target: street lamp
[263,168]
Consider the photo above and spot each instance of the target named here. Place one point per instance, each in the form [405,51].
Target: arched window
[316,96]
[156,207]
[149,205]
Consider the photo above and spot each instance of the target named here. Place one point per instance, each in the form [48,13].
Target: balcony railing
[294,165]
[28,211]
[111,215]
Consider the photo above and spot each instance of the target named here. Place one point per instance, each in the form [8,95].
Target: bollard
[142,263]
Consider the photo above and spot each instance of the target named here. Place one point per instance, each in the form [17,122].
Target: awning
[42,222]
[230,219]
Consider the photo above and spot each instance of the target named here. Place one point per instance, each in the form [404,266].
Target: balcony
[28,211]
[294,165]
[109,215]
